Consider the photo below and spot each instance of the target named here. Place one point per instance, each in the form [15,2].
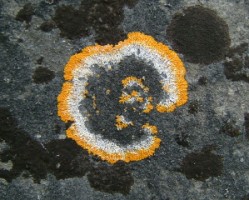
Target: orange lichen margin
[114,157]
[79,59]
[63,108]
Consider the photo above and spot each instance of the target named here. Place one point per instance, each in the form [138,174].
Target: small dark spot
[193,107]
[233,70]
[247,62]
[182,139]
[202,165]
[200,34]
[20,40]
[104,17]
[246,124]
[68,124]
[43,75]
[3,39]
[47,26]
[230,129]
[25,14]
[114,178]
[57,128]
[202,81]
[40,60]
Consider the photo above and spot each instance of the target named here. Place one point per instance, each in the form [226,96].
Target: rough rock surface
[205,143]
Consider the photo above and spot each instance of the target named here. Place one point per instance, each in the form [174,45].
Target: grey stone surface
[212,123]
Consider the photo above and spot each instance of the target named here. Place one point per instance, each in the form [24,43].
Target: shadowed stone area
[202,165]
[62,158]
[236,68]
[104,17]
[200,34]
[25,14]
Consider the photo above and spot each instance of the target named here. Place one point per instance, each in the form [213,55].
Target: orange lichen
[128,97]
[148,108]
[151,128]
[112,158]
[63,108]
[130,79]
[79,60]
[121,123]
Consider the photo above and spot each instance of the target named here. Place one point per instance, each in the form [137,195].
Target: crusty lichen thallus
[74,91]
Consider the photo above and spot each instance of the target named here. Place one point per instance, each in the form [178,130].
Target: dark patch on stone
[182,139]
[230,129]
[246,197]
[193,107]
[236,68]
[37,159]
[43,75]
[200,34]
[25,14]
[3,39]
[67,159]
[68,124]
[247,62]
[47,26]
[104,17]
[103,122]
[246,124]
[202,165]
[114,178]
[237,50]
[203,81]
[62,158]
[40,60]
[57,128]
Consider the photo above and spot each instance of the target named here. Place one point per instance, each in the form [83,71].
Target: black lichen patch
[115,178]
[202,165]
[25,14]
[103,122]
[62,158]
[246,124]
[43,75]
[193,107]
[182,139]
[230,129]
[104,17]
[200,34]
[47,26]
[236,68]
[67,159]
[28,156]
